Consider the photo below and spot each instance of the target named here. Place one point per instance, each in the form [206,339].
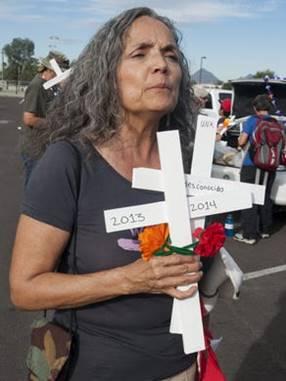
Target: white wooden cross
[186,314]
[60,75]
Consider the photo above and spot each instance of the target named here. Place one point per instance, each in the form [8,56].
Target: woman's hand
[164,275]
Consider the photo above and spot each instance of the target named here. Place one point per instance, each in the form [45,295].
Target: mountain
[206,77]
[248,76]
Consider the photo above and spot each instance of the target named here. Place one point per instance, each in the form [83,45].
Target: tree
[264,73]
[227,85]
[21,64]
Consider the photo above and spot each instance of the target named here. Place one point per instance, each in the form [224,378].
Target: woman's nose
[159,63]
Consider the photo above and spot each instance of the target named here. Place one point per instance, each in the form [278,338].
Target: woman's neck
[132,146]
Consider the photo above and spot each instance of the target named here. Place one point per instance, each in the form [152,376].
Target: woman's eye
[172,57]
[138,55]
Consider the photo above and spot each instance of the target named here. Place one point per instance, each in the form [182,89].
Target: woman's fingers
[176,259]
[182,294]
[170,273]
[178,266]
[182,280]
[165,275]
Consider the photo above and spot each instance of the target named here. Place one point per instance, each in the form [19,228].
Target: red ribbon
[209,369]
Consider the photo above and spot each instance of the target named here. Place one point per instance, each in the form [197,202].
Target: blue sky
[238,37]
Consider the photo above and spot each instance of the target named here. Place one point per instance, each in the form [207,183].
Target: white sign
[155,213]
[146,178]
[60,75]
[187,319]
[177,209]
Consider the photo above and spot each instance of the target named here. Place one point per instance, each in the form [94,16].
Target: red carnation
[210,240]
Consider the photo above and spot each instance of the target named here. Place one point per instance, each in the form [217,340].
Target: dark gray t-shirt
[36,101]
[36,98]
[128,336]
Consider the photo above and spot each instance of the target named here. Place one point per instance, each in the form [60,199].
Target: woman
[131,81]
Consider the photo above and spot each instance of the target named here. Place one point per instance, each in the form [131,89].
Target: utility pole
[2,55]
[201,68]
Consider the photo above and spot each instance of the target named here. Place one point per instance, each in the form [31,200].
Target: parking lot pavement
[253,327]
[12,92]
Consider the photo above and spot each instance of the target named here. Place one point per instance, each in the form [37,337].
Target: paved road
[14,324]
[253,328]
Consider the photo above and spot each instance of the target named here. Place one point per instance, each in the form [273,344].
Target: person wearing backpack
[263,136]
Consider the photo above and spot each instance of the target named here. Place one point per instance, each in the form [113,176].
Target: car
[216,95]
[244,91]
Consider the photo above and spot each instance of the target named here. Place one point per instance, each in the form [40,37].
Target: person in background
[36,104]
[223,150]
[202,97]
[131,81]
[224,113]
[258,219]
[225,108]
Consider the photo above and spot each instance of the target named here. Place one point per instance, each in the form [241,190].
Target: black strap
[78,186]
[73,319]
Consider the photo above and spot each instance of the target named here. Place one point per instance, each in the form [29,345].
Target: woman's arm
[34,284]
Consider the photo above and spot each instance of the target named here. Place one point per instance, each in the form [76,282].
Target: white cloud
[96,11]
[12,11]
[270,5]
[186,10]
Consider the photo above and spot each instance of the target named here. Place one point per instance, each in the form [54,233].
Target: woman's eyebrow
[169,47]
[147,45]
[142,45]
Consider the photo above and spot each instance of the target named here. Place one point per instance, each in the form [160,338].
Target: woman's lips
[159,86]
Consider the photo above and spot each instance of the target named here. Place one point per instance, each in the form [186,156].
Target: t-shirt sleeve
[31,99]
[249,125]
[51,193]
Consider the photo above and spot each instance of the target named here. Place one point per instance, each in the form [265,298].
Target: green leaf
[38,323]
[38,364]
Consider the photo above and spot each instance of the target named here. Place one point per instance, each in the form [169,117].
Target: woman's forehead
[147,29]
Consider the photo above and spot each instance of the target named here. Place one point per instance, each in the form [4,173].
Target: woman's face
[149,73]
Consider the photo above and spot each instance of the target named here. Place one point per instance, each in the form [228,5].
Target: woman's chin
[163,108]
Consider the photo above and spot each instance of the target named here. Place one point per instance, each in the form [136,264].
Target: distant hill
[248,76]
[207,77]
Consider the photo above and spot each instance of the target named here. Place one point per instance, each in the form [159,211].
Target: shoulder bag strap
[73,320]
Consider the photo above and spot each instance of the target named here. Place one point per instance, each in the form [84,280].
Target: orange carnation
[226,122]
[151,239]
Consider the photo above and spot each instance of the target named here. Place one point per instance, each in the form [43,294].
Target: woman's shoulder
[58,168]
[62,150]
[60,158]
[52,190]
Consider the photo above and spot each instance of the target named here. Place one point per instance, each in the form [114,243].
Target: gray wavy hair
[88,108]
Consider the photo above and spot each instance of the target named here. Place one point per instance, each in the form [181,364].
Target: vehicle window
[223,96]
[209,102]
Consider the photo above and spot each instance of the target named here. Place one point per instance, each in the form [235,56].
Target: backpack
[268,145]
